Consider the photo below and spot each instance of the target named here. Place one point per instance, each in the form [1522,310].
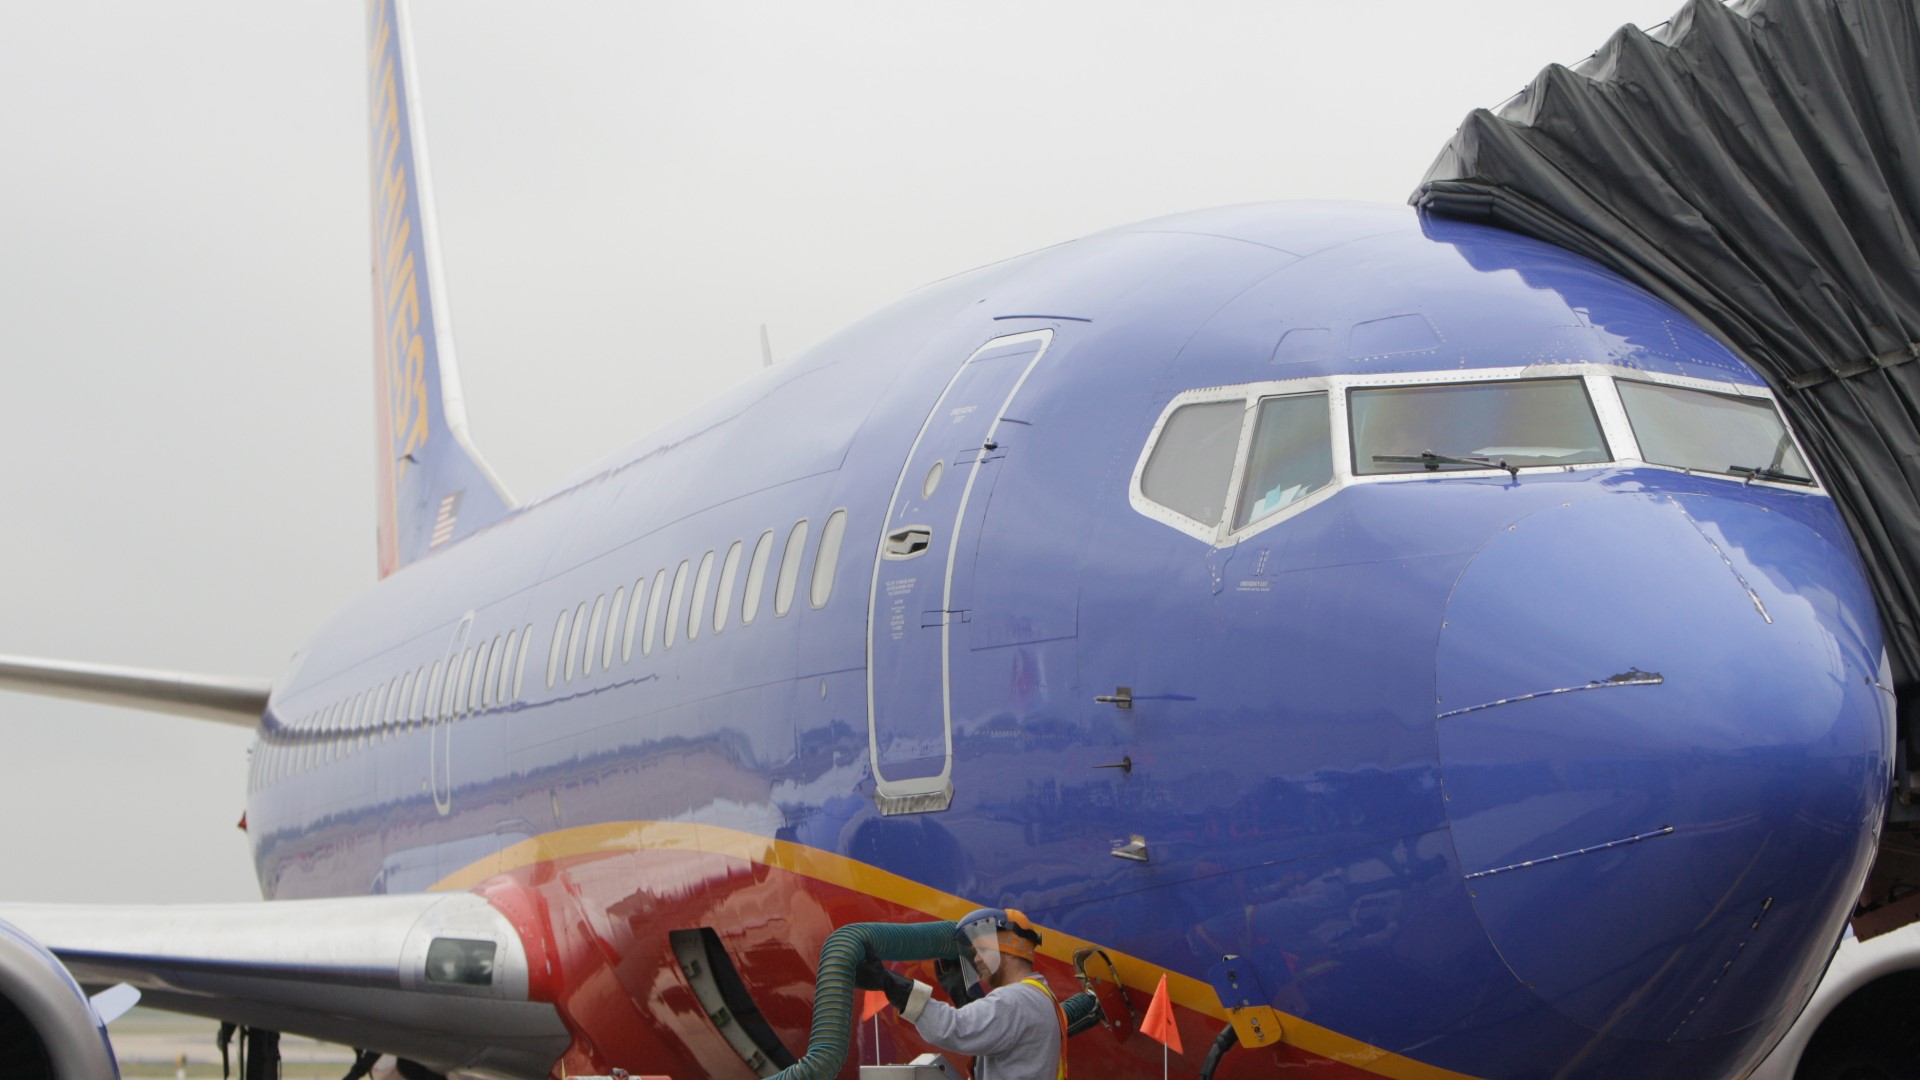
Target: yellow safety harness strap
[1060,1014]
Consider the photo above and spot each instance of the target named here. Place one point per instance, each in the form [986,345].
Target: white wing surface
[445,979]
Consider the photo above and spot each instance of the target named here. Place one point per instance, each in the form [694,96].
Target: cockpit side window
[1478,425]
[1719,433]
[1193,459]
[1291,457]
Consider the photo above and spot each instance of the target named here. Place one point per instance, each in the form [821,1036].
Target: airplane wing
[446,979]
[202,697]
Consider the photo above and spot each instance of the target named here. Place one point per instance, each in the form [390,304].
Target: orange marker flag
[1158,1023]
[871,1002]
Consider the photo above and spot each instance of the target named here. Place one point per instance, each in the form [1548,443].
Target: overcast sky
[626,192]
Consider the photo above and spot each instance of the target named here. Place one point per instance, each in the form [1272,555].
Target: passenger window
[1292,456]
[501,687]
[520,665]
[677,601]
[723,595]
[1455,426]
[555,649]
[789,568]
[698,607]
[593,635]
[614,611]
[477,688]
[1193,459]
[756,577]
[654,597]
[458,688]
[1717,433]
[490,682]
[827,558]
[575,638]
[633,619]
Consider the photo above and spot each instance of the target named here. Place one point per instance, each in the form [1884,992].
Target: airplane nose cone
[1664,756]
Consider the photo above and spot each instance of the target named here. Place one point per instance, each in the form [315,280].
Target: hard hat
[989,933]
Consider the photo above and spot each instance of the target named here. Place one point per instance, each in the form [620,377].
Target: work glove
[952,978]
[872,975]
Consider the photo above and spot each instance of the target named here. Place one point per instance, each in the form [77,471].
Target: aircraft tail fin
[434,488]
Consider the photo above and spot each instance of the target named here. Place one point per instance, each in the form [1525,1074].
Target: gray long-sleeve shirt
[1015,1030]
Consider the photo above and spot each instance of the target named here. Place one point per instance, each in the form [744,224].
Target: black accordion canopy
[1758,166]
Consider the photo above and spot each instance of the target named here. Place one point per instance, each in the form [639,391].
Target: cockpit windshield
[1193,461]
[1225,461]
[1291,456]
[1708,432]
[1479,425]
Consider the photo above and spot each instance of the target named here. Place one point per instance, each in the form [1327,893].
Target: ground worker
[1003,1012]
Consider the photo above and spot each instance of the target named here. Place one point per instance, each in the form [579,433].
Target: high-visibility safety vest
[1060,1014]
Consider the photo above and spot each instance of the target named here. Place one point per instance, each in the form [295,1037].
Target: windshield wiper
[1433,461]
[1771,470]
[1768,472]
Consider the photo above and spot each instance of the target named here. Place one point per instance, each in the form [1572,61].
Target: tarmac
[150,1043]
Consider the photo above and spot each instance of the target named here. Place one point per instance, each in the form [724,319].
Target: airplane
[510,131]
[1108,581]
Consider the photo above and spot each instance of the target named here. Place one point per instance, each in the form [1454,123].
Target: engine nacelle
[48,1027]
[1860,1021]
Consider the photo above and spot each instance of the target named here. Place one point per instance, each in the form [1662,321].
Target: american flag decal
[443,521]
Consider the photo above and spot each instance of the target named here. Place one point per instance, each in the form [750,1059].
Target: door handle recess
[907,542]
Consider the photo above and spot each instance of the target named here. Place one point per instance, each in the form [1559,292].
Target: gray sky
[626,192]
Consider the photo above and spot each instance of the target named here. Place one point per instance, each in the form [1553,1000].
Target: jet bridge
[1757,164]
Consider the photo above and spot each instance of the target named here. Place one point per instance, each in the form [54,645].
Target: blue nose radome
[1665,749]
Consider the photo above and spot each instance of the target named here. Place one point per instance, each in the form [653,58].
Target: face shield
[979,937]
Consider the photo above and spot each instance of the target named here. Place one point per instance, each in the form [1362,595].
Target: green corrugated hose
[833,992]
[1083,1011]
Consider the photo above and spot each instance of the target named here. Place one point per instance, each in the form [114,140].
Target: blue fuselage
[1569,771]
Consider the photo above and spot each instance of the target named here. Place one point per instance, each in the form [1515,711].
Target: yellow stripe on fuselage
[641,836]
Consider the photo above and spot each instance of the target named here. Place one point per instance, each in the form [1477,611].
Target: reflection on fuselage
[1353,688]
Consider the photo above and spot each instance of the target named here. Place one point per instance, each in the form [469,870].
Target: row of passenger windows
[481,677]
[1448,427]
[659,611]
[493,672]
